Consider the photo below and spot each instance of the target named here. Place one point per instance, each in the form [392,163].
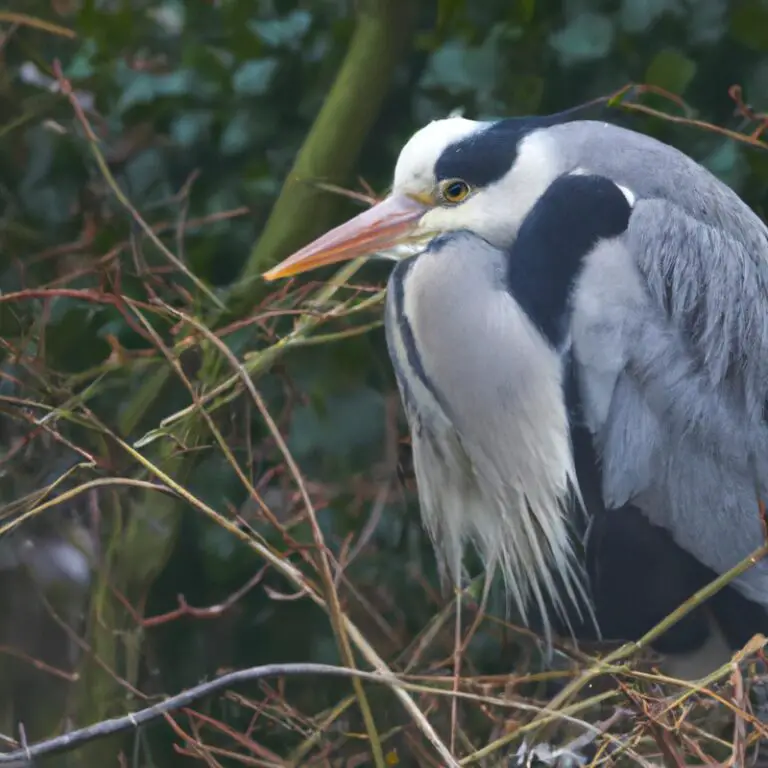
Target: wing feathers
[670,329]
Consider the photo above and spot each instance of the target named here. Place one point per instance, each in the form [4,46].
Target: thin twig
[69,741]
[291,572]
[24,20]
[618,99]
[326,573]
[628,649]
[209,612]
[70,677]
[71,493]
[93,143]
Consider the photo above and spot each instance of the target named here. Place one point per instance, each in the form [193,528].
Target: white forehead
[415,169]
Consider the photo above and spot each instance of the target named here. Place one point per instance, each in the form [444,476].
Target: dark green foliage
[200,109]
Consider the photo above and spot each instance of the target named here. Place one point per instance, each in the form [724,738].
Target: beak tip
[380,226]
[271,275]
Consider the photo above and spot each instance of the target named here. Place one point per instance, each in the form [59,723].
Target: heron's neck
[484,399]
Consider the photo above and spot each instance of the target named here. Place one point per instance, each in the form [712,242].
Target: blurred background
[144,145]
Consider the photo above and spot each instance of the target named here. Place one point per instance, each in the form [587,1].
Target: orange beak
[378,228]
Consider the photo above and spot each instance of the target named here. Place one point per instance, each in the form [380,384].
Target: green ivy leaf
[236,136]
[254,77]
[671,70]
[459,69]
[588,37]
[247,128]
[191,127]
[82,65]
[283,33]
[40,144]
[146,175]
[146,87]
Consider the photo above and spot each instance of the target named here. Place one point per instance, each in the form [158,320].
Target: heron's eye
[454,192]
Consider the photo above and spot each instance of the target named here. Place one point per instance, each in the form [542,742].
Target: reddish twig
[617,99]
[747,112]
[39,429]
[211,612]
[81,294]
[238,738]
[93,141]
[70,677]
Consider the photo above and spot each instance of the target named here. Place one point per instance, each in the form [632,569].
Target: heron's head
[452,174]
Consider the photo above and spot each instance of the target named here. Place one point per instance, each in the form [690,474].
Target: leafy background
[198,112]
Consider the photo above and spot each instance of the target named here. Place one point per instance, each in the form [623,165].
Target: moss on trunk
[332,147]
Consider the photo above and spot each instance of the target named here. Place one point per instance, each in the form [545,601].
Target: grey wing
[670,332]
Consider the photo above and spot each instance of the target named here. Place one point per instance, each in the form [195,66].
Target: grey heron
[579,334]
